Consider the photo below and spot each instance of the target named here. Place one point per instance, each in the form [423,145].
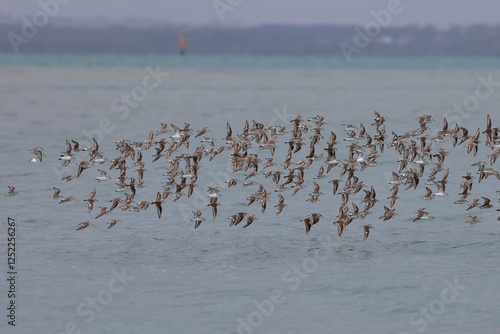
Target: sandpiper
[486,204]
[366,230]
[68,178]
[115,203]
[232,182]
[388,214]
[475,202]
[67,199]
[281,204]
[113,222]
[84,225]
[12,191]
[422,214]
[103,176]
[56,194]
[311,220]
[82,165]
[428,195]
[250,219]
[473,220]
[158,203]
[237,218]
[104,210]
[37,154]
[90,201]
[198,218]
[214,204]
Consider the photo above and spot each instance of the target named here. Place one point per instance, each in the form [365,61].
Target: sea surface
[150,275]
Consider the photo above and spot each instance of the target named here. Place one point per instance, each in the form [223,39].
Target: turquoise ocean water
[150,275]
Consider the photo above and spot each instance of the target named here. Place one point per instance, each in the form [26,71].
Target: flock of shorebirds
[416,150]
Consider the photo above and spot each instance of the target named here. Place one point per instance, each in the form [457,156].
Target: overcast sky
[441,13]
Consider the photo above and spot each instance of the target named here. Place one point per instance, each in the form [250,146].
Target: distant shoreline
[477,40]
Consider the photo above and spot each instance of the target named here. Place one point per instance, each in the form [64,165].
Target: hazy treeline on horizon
[478,40]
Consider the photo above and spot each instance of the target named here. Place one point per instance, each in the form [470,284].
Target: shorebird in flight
[311,220]
[473,220]
[12,191]
[91,200]
[198,218]
[366,230]
[84,225]
[113,222]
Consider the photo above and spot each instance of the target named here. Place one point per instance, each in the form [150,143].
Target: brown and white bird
[198,218]
[394,196]
[342,224]
[113,222]
[90,201]
[250,219]
[202,131]
[311,220]
[232,182]
[37,154]
[142,205]
[428,195]
[82,165]
[214,204]
[236,218]
[84,225]
[473,220]
[472,145]
[379,120]
[388,214]
[335,185]
[281,204]
[104,210]
[486,204]
[57,193]
[67,199]
[321,173]
[103,176]
[68,178]
[475,202]
[158,203]
[164,128]
[422,214]
[366,230]
[115,203]
[12,191]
